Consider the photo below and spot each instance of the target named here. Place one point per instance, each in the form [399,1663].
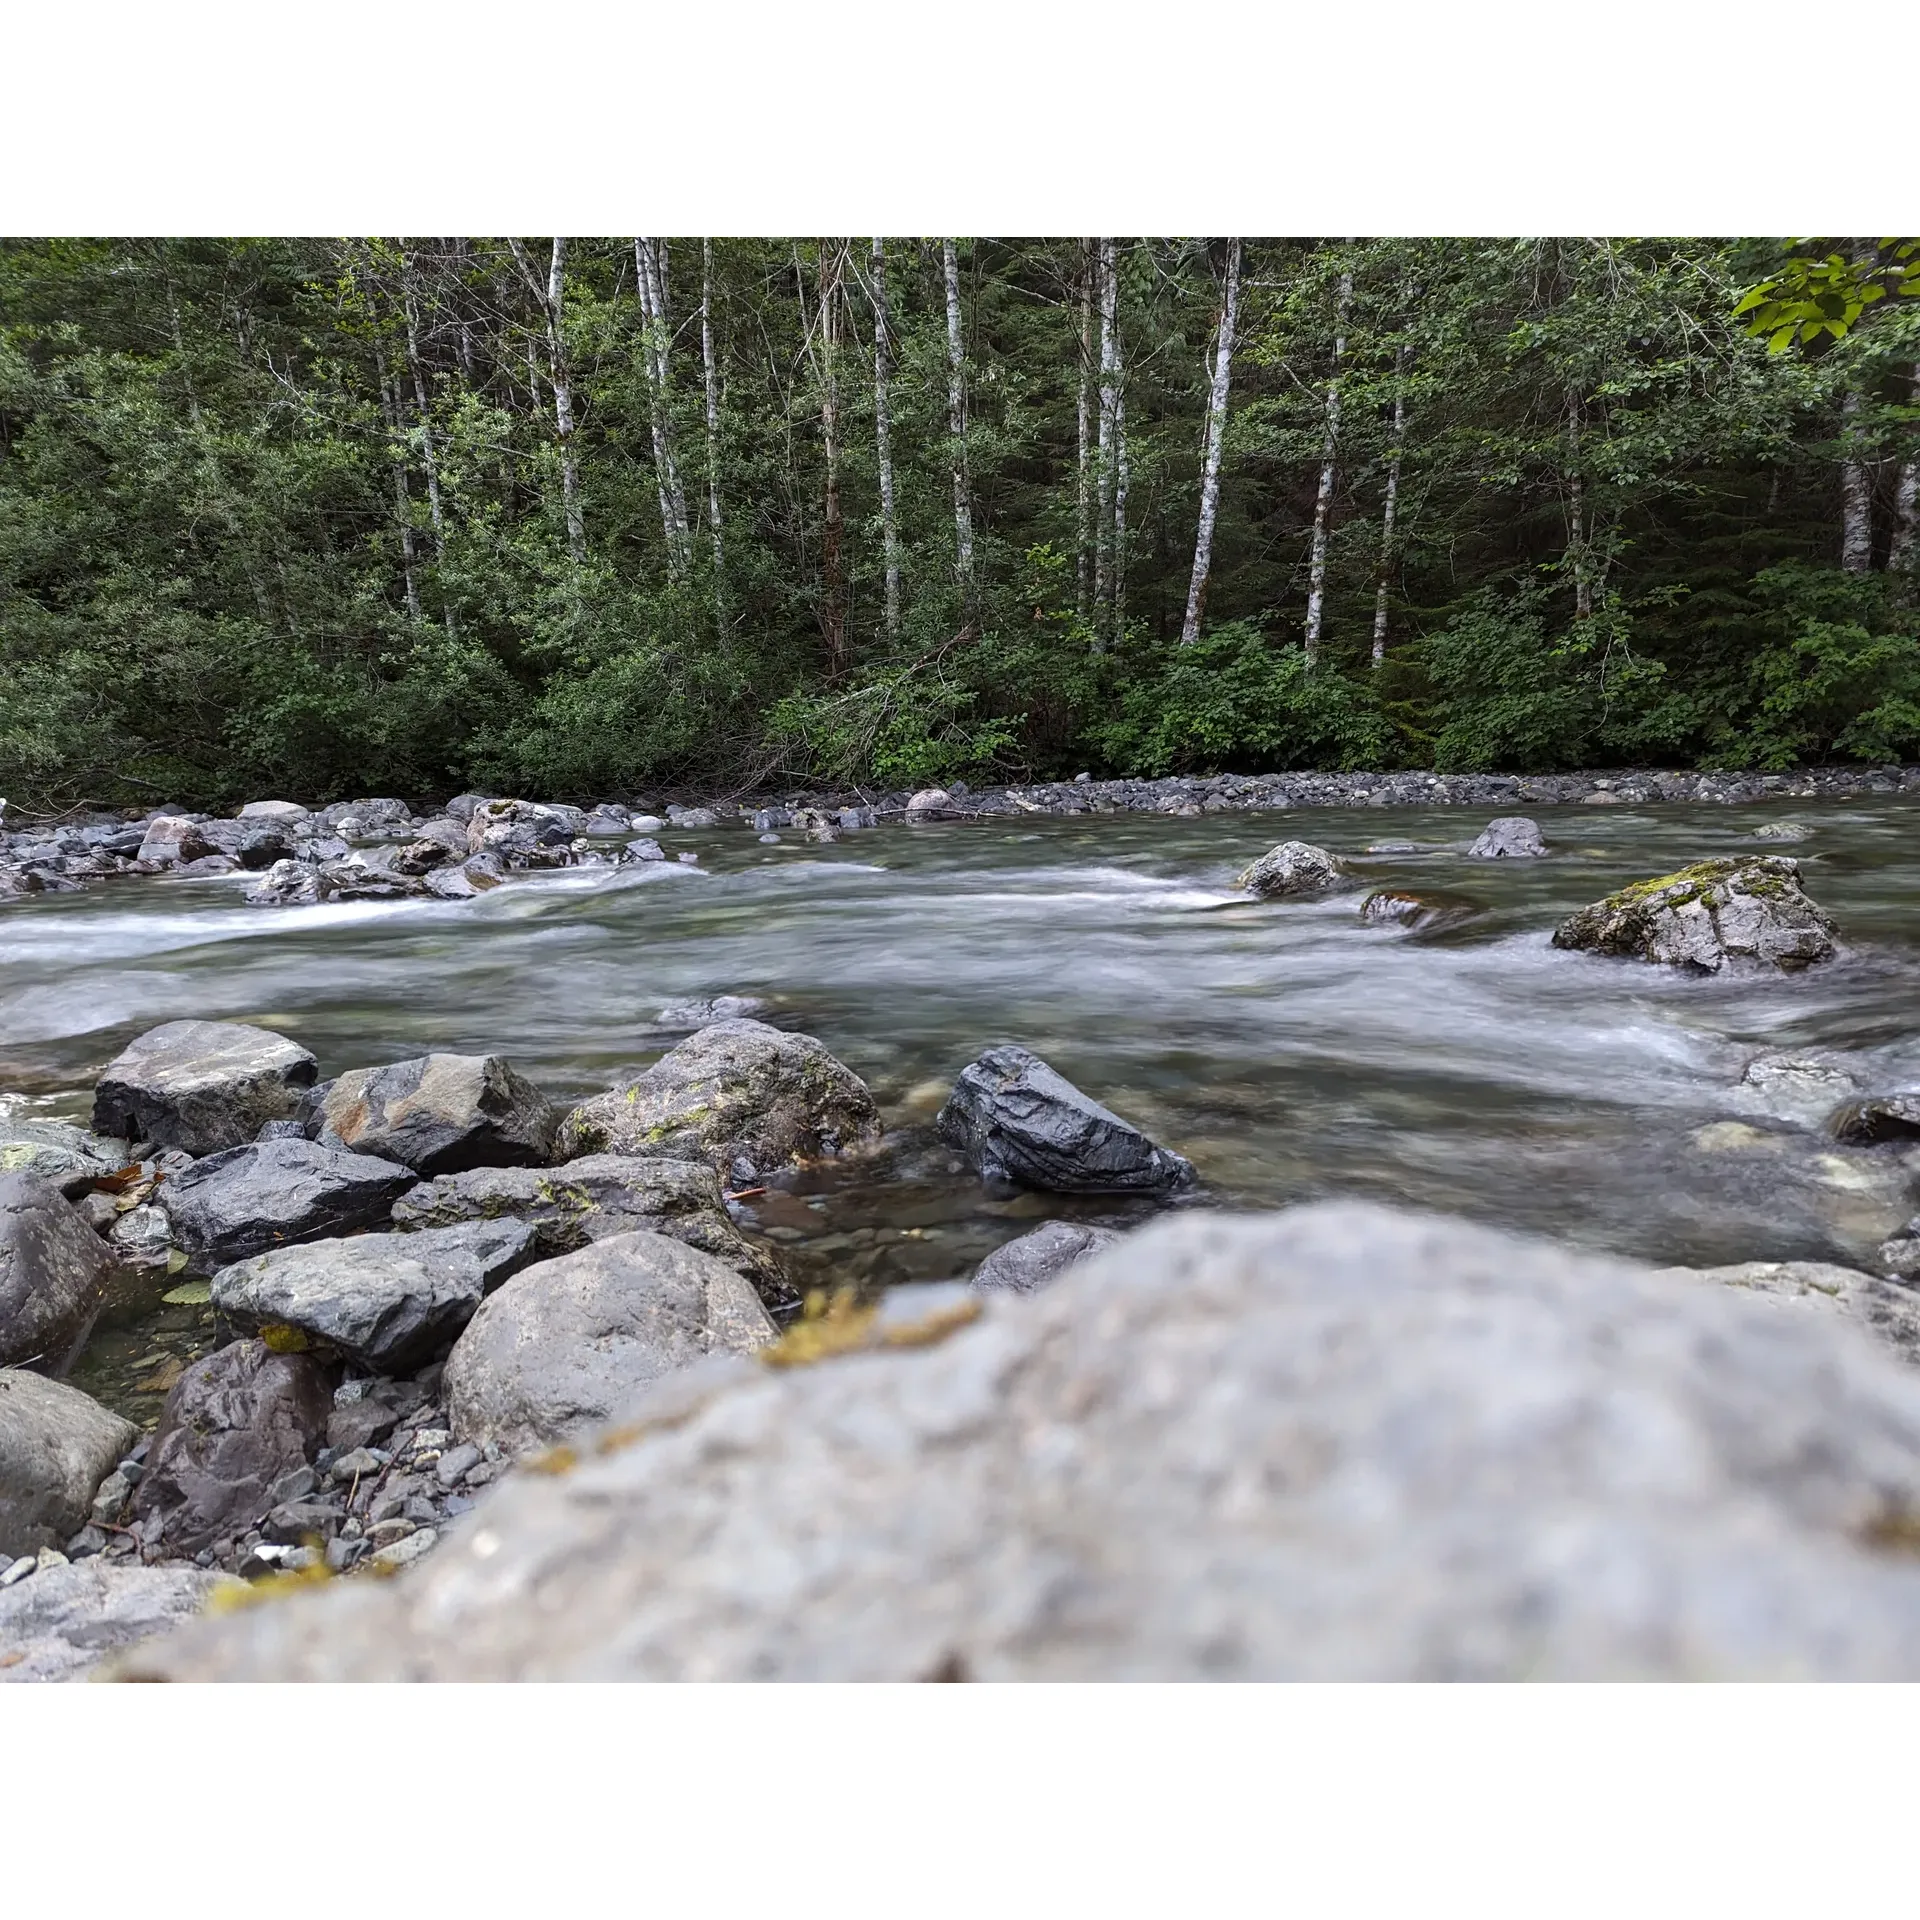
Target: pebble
[362,1462]
[384,1532]
[343,1553]
[454,1464]
[17,1570]
[293,1486]
[404,1552]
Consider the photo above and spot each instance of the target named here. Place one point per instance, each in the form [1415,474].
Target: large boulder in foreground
[1884,1308]
[1016,1119]
[746,1098]
[571,1341]
[66,1620]
[593,1198]
[1705,916]
[54,1273]
[1033,1260]
[275,1193]
[201,1085]
[1293,869]
[391,1301]
[441,1113]
[1334,1443]
[234,1423]
[56,1445]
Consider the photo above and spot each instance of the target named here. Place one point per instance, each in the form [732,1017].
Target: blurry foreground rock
[67,1618]
[1335,1442]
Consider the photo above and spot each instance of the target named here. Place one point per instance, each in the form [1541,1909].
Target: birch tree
[1083,499]
[1329,455]
[1390,506]
[552,302]
[711,369]
[1856,490]
[833,610]
[957,425]
[1103,553]
[883,435]
[402,496]
[1904,555]
[1215,437]
[649,257]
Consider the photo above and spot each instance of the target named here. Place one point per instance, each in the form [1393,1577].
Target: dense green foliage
[290,516]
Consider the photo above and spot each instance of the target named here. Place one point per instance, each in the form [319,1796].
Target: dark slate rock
[201,1085]
[1027,1264]
[54,1274]
[441,1113]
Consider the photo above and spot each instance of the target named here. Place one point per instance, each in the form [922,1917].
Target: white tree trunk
[429,459]
[649,261]
[957,424]
[402,499]
[1391,506]
[883,436]
[1109,406]
[1856,492]
[1216,434]
[1323,499]
[833,617]
[1083,504]
[712,372]
[1904,555]
[1121,473]
[552,298]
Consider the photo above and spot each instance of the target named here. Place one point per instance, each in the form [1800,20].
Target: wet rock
[285,813]
[57,1445]
[692,817]
[572,1341]
[232,1206]
[1796,1086]
[405,1551]
[1417,912]
[70,1157]
[232,1426]
[1749,910]
[357,879]
[745,1097]
[141,1240]
[67,1619]
[1878,1118]
[642,851]
[646,823]
[213,863]
[201,1085]
[1511,837]
[265,847]
[421,856]
[287,883]
[172,841]
[1292,869]
[1887,1311]
[769,819]
[1016,1119]
[687,1016]
[1029,1263]
[1787,830]
[1331,1443]
[54,1274]
[441,1113]
[388,1301]
[594,1198]
[524,833]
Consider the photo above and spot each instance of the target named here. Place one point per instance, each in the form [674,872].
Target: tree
[957,425]
[1215,440]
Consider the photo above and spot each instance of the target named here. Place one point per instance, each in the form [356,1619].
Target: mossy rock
[1743,912]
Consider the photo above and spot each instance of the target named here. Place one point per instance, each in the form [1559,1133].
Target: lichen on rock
[1749,909]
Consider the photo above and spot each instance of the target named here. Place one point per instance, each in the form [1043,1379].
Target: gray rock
[524,833]
[646,823]
[235,1423]
[404,1551]
[389,1301]
[275,1193]
[1417,912]
[1334,1443]
[201,1085]
[1293,869]
[1876,1119]
[594,1198]
[54,1274]
[1029,1263]
[1787,830]
[688,1016]
[1796,1086]
[68,1619]
[1511,837]
[57,1445]
[285,813]
[287,883]
[1016,1119]
[441,1113]
[141,1240]
[642,851]
[571,1341]
[742,1096]
[1886,1310]
[1750,910]
[766,819]
[172,841]
[450,1469]
[692,817]
[266,847]
[929,803]
[69,1156]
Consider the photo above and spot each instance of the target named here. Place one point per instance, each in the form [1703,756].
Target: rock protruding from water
[1417,912]
[441,1113]
[1333,1443]
[1876,1119]
[1016,1119]
[393,1302]
[525,833]
[1511,837]
[1036,1259]
[56,1446]
[234,1423]
[67,1619]
[1293,869]
[201,1085]
[571,1341]
[1797,1086]
[1748,910]
[594,1198]
[275,1193]
[54,1273]
[746,1098]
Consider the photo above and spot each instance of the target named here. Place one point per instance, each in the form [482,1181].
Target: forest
[573,516]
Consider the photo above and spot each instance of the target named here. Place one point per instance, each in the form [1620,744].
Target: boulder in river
[1796,1086]
[1016,1119]
[929,803]
[286,813]
[687,1016]
[56,1445]
[390,1301]
[67,1619]
[69,1156]
[287,883]
[1417,912]
[745,1097]
[441,1113]
[571,1341]
[1293,869]
[1336,1443]
[1783,830]
[1748,910]
[201,1085]
[234,1423]
[1511,837]
[172,841]
[54,1273]
[524,833]
[1876,1119]
[594,1198]
[1035,1259]
[231,1206]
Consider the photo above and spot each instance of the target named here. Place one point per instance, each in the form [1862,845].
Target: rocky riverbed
[287,1300]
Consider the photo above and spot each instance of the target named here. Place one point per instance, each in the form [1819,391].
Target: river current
[1289,1050]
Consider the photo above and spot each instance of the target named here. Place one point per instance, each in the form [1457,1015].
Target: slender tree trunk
[553,305]
[883,436]
[957,427]
[1323,499]
[1904,555]
[1391,507]
[1109,406]
[1121,473]
[402,497]
[711,369]
[833,610]
[1083,520]
[1216,434]
[1856,491]
[429,459]
[649,262]
[1578,531]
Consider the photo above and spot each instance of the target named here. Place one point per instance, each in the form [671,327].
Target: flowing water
[1290,1051]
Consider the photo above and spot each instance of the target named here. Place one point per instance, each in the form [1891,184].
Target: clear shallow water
[1290,1051]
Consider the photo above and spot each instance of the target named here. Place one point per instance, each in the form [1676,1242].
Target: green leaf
[196,1293]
